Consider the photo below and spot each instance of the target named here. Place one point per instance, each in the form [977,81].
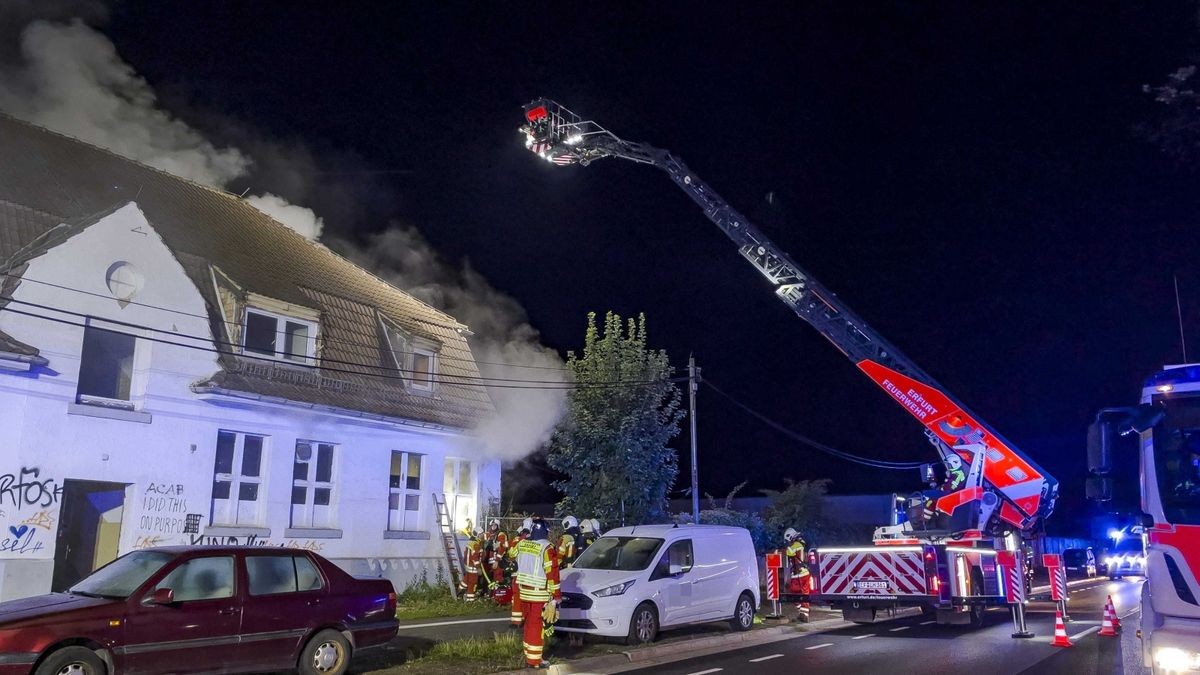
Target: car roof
[673,531]
[222,548]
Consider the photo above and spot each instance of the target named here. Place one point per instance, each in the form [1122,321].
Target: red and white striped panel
[772,583]
[865,573]
[1015,588]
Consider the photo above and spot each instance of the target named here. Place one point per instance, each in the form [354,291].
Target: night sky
[967,176]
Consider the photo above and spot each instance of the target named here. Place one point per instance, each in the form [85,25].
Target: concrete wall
[163,452]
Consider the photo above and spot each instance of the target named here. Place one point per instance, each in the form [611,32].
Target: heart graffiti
[18,532]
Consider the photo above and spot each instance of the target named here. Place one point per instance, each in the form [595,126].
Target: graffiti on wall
[165,519]
[314,545]
[29,502]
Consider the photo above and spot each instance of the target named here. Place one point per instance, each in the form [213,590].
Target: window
[404,500]
[458,488]
[106,368]
[271,574]
[679,553]
[424,369]
[312,485]
[237,479]
[280,337]
[415,359]
[201,579]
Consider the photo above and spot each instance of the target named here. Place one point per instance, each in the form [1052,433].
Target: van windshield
[627,554]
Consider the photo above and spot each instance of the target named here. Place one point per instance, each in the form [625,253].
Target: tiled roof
[47,179]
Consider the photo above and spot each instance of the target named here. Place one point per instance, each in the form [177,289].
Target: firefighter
[955,476]
[800,579]
[587,537]
[567,542]
[537,586]
[495,547]
[511,556]
[472,560]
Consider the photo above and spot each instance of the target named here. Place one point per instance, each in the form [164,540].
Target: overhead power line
[371,367]
[834,452]
[340,341]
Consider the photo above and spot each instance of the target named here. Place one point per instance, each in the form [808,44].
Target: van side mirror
[1099,489]
[674,569]
[1144,418]
[1101,436]
[162,596]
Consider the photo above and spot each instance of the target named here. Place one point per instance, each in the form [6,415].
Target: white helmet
[569,522]
[790,535]
[494,524]
[595,525]
[954,462]
[585,526]
[527,525]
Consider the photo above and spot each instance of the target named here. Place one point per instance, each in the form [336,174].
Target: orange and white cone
[1060,632]
[1112,609]
[1106,626]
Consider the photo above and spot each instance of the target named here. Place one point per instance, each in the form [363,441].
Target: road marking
[765,658]
[860,637]
[1085,633]
[452,623]
[827,644]
[926,623]
[706,672]
[893,630]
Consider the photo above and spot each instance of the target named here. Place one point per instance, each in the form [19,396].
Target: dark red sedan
[218,609]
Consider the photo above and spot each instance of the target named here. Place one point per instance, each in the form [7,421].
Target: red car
[213,609]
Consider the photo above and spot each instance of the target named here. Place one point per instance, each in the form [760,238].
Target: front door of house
[89,529]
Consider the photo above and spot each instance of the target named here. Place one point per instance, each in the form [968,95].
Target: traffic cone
[1106,626]
[1060,632]
[1112,609]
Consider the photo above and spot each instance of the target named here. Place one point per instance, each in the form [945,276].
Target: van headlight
[1176,660]
[615,589]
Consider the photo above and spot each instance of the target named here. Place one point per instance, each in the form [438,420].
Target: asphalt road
[916,645]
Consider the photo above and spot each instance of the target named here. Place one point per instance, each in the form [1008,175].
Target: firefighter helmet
[569,522]
[790,535]
[494,525]
[595,525]
[539,530]
[954,462]
[526,526]
[585,526]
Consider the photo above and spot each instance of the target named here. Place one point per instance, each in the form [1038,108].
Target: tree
[799,506]
[612,442]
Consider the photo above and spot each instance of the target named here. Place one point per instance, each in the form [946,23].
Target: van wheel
[72,661]
[743,613]
[327,653]
[643,627]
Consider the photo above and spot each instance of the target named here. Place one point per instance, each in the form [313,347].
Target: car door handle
[314,601]
[227,610]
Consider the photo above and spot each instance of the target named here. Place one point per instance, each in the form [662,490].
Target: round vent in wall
[124,281]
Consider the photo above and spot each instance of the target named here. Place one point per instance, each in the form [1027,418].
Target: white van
[634,581]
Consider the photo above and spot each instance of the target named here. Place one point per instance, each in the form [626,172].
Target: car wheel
[327,653]
[72,661]
[743,613]
[643,627]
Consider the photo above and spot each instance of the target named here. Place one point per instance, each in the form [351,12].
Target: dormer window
[280,337]
[413,358]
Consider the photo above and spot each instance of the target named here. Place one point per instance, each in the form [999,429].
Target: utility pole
[693,385]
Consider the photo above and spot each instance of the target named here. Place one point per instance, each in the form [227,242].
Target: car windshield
[121,577]
[627,554]
[1177,459]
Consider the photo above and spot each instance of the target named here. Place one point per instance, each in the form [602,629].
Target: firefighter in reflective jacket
[511,560]
[567,542]
[495,547]
[800,580]
[472,559]
[955,476]
[537,586]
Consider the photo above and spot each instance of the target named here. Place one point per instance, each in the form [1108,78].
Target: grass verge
[421,599]
[470,656]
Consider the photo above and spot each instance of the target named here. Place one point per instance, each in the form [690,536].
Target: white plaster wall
[170,459]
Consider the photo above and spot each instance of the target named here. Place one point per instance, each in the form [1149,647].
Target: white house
[176,367]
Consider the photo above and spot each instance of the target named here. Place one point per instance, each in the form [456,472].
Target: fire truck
[942,557]
[1166,425]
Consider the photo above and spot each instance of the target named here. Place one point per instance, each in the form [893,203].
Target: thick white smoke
[69,78]
[526,416]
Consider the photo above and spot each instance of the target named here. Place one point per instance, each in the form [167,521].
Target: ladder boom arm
[1027,492]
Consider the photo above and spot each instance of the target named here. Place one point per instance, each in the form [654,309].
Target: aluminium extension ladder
[454,561]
